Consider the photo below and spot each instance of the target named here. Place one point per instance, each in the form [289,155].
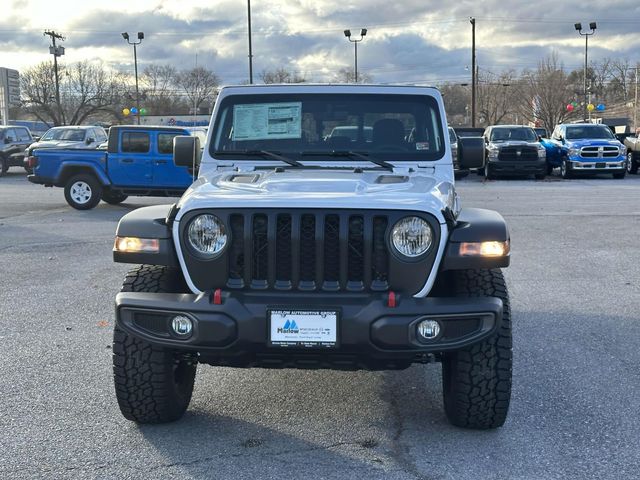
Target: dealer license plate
[303,328]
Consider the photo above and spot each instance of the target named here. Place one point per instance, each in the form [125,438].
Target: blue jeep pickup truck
[585,148]
[138,161]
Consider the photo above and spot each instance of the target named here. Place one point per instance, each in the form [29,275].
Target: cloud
[424,41]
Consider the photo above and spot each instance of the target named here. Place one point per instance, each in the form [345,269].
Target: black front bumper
[371,335]
[519,167]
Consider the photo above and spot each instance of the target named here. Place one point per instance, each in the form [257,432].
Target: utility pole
[250,50]
[56,52]
[473,71]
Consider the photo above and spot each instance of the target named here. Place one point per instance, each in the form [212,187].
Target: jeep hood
[323,189]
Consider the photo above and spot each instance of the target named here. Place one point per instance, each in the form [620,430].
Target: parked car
[632,144]
[78,136]
[583,149]
[14,140]
[513,150]
[541,132]
[137,162]
[455,154]
[287,253]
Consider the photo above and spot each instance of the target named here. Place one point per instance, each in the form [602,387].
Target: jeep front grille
[310,251]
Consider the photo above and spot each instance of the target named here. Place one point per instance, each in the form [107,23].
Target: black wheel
[113,198]
[632,163]
[4,166]
[564,169]
[83,191]
[540,176]
[153,384]
[476,381]
[620,175]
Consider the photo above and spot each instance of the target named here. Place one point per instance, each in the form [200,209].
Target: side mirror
[539,138]
[90,140]
[186,151]
[471,151]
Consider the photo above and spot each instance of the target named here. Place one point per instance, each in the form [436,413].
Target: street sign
[10,81]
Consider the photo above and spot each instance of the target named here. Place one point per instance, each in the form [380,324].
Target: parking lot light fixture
[592,27]
[125,35]
[355,41]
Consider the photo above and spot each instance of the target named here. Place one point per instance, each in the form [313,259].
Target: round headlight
[207,234]
[412,236]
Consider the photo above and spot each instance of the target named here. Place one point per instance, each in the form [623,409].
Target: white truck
[296,250]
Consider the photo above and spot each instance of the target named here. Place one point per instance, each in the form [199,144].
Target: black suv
[13,142]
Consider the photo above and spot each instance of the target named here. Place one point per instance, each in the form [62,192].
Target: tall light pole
[474,72]
[250,50]
[125,35]
[592,27]
[56,51]
[355,41]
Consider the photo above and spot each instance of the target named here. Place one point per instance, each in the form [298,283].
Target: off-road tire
[94,191]
[113,198]
[476,381]
[632,163]
[153,384]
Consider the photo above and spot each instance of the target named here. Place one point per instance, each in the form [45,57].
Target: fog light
[181,325]
[429,329]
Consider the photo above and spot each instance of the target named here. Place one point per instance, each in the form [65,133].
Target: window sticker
[267,121]
[422,145]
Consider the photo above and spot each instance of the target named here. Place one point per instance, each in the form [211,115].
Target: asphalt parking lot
[575,289]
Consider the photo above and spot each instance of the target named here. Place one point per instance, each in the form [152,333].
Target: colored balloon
[143,111]
[134,110]
[126,112]
[574,104]
[590,107]
[570,107]
[600,107]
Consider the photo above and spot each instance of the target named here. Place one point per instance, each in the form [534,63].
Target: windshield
[588,131]
[389,127]
[66,134]
[506,134]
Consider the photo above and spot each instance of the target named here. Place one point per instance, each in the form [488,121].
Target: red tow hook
[216,297]
[392,300]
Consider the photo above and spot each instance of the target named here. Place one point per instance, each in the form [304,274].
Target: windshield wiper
[263,153]
[351,153]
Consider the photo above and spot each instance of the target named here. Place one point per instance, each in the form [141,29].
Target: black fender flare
[476,225]
[148,222]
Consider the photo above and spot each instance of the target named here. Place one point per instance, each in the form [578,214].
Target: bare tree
[546,92]
[86,91]
[159,87]
[281,75]
[199,85]
[497,96]
[347,75]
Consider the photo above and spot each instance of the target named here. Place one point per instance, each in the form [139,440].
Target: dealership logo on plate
[289,327]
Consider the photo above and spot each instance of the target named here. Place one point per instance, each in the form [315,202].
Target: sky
[408,41]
